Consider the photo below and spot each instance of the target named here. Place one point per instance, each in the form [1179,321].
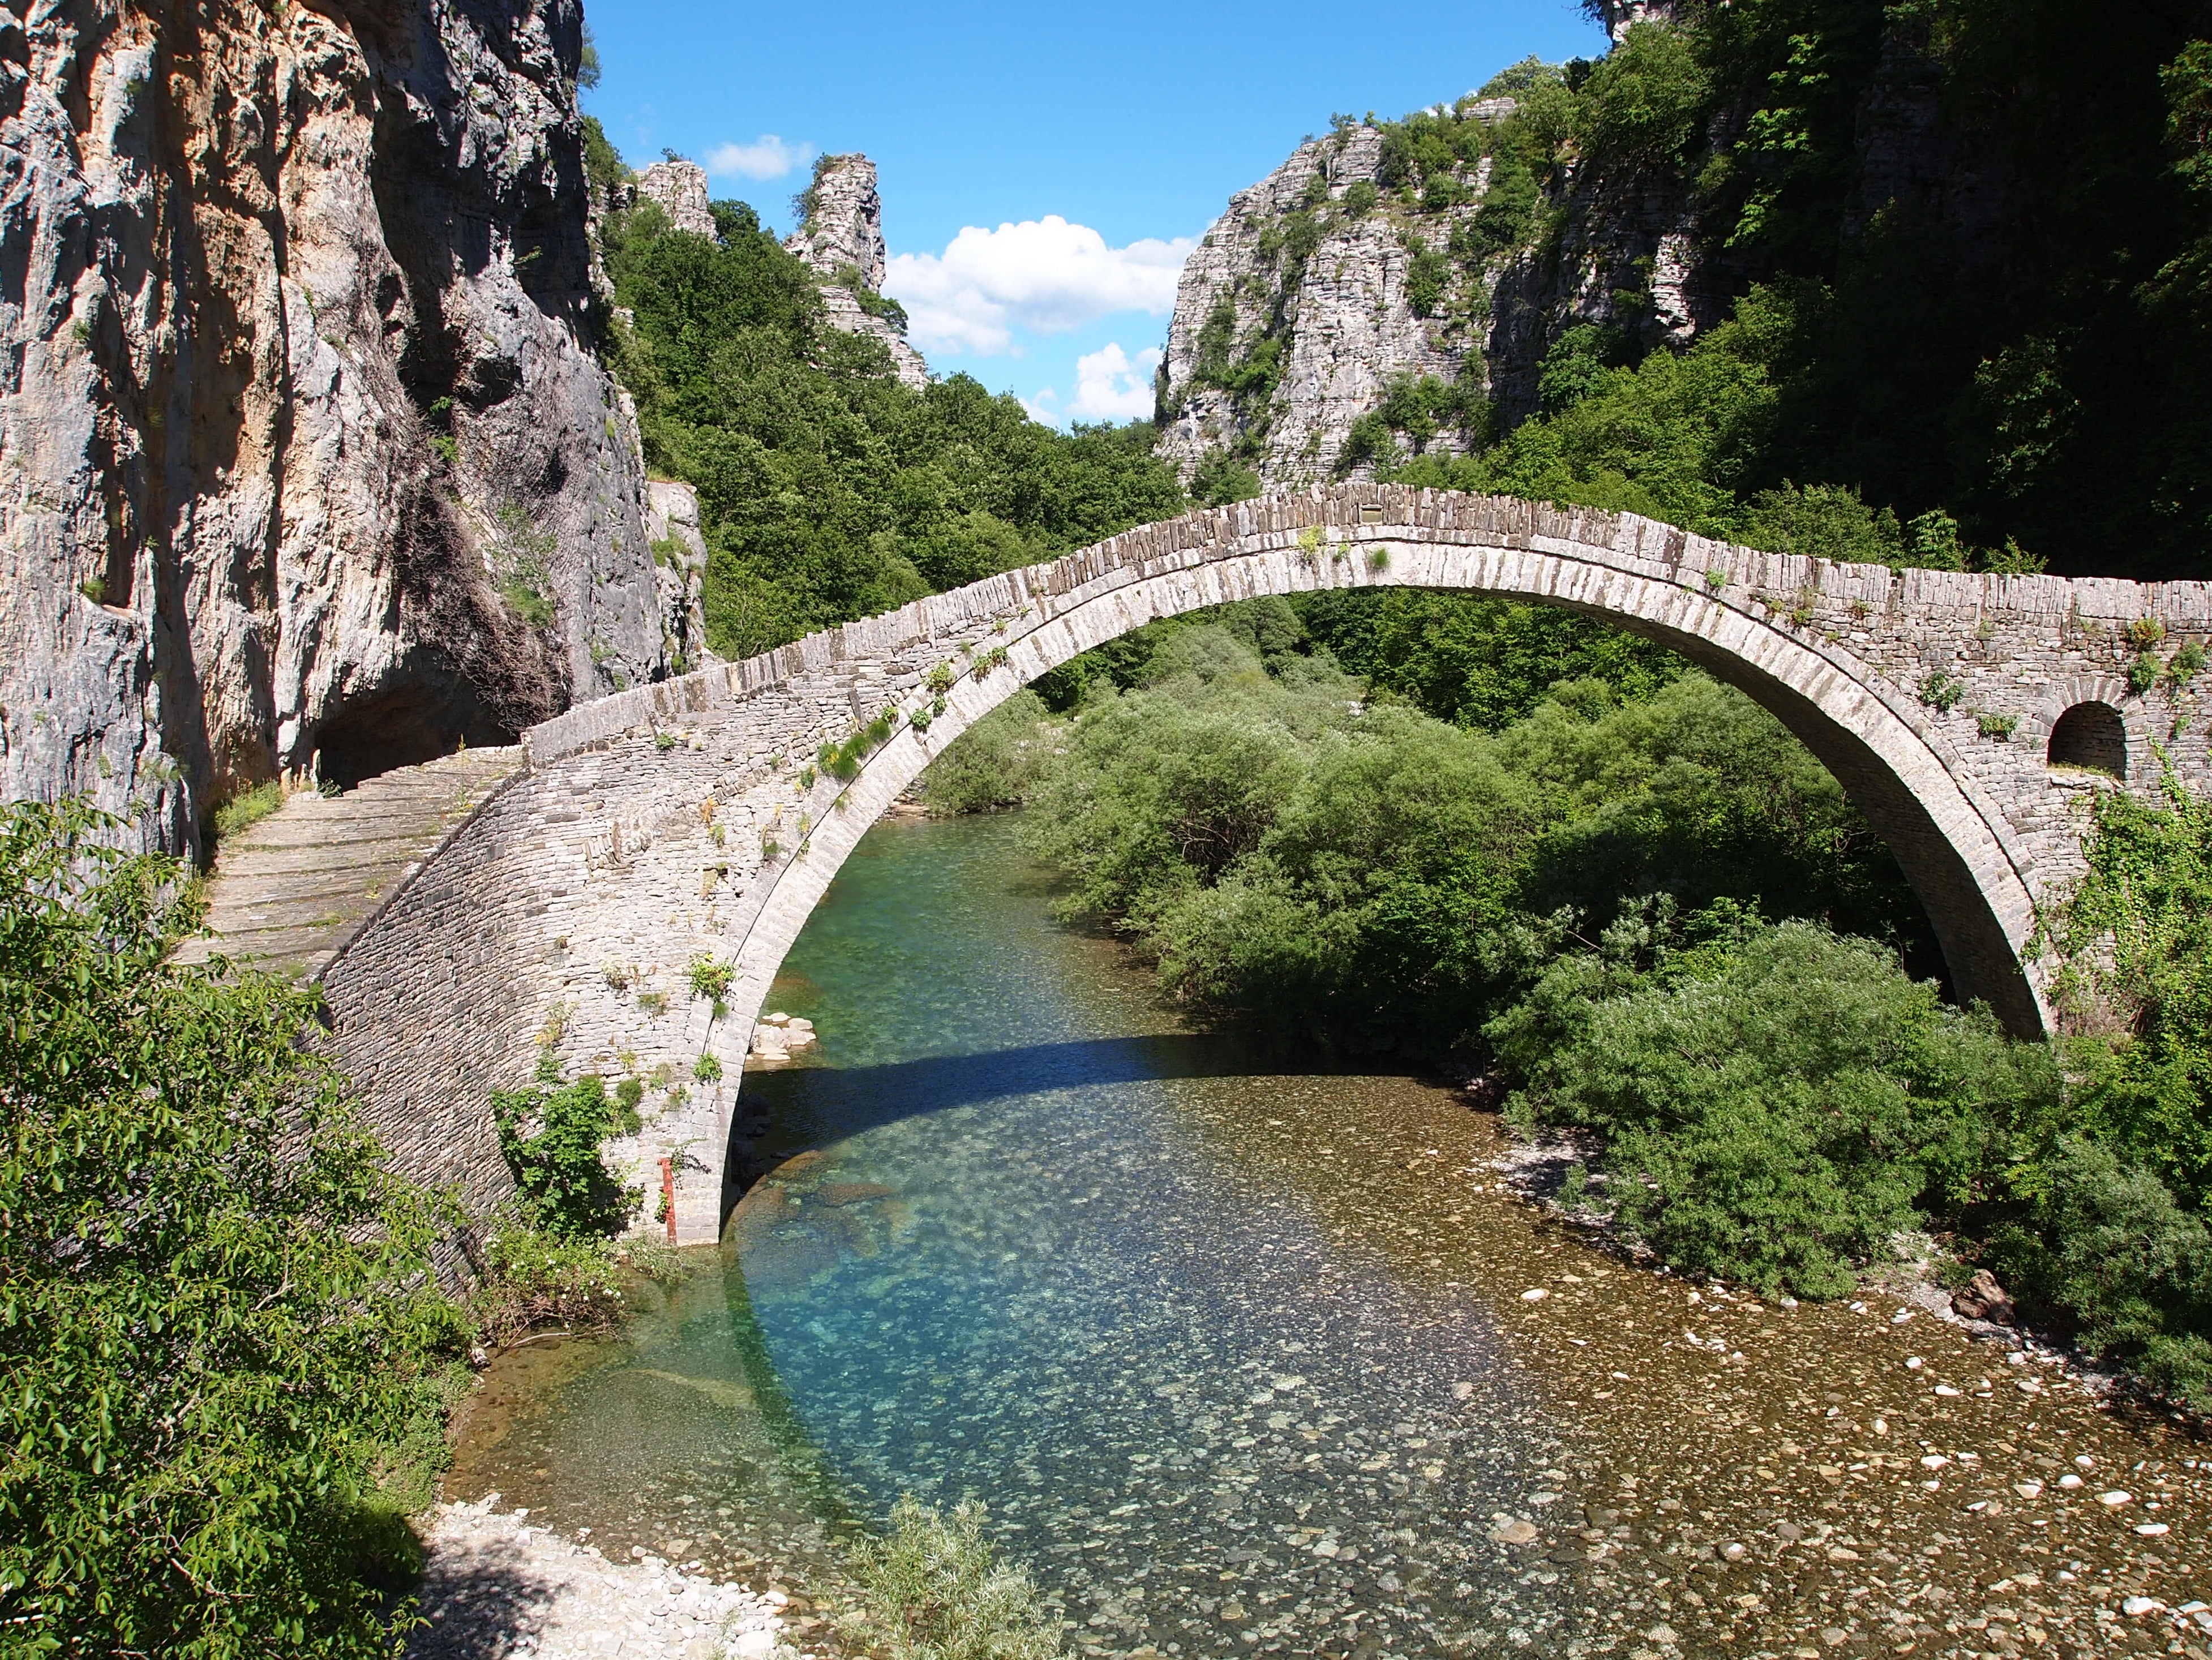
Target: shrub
[533,1278]
[1940,691]
[550,1133]
[241,813]
[996,762]
[710,980]
[221,1335]
[933,1589]
[1774,1107]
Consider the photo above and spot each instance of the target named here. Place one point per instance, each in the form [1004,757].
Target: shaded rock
[1982,1298]
[315,469]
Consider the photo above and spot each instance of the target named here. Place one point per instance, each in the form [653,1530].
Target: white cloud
[1044,274]
[1044,408]
[1110,386]
[766,157]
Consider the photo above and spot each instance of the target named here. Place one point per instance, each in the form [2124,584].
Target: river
[1248,1358]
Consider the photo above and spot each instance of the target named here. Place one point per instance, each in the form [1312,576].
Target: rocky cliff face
[842,241]
[680,187]
[1273,356]
[1338,280]
[308,464]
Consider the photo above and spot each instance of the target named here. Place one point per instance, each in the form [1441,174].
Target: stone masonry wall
[687,822]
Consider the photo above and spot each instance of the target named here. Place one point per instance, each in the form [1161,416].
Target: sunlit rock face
[1335,279]
[311,465]
[680,187]
[842,241]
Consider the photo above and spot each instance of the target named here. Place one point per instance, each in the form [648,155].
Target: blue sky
[1043,167]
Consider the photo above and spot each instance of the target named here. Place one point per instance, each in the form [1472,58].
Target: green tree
[1775,1108]
[217,1309]
[829,490]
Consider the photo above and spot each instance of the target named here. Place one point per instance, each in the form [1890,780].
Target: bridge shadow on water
[808,1106]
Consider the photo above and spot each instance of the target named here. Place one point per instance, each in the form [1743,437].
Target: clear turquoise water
[1135,1289]
[1244,1358]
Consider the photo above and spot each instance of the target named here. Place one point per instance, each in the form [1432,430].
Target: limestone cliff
[306,464]
[841,239]
[680,188]
[1340,277]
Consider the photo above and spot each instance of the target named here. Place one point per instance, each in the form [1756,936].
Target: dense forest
[1949,259]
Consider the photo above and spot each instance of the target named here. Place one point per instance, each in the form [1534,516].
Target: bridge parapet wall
[685,822]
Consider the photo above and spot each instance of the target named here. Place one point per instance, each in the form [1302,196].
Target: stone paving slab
[289,893]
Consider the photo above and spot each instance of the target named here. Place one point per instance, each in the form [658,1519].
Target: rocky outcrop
[680,187]
[310,466]
[841,241]
[1319,338]
[1347,311]
[1618,16]
[679,559]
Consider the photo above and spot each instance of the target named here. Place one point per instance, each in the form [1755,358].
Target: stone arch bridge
[1970,717]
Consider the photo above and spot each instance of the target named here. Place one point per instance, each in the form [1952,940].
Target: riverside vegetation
[230,1357]
[1632,903]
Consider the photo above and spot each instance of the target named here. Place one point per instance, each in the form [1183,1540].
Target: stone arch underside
[600,855]
[1976,900]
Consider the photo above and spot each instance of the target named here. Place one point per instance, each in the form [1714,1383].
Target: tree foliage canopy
[216,1317]
[828,489]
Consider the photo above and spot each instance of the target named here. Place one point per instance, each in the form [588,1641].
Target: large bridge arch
[677,824]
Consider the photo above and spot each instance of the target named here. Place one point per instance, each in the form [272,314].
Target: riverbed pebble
[492,1585]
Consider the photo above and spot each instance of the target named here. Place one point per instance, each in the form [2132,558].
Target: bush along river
[1247,1360]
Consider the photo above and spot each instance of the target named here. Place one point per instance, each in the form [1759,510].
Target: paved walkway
[288,893]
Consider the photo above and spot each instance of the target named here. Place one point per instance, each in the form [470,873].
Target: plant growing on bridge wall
[1940,691]
[706,1069]
[550,1133]
[939,679]
[990,660]
[652,1002]
[2185,664]
[2144,671]
[2145,632]
[629,1094]
[664,741]
[710,980]
[1999,726]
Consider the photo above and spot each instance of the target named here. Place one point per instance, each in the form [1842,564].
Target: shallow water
[1243,1359]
